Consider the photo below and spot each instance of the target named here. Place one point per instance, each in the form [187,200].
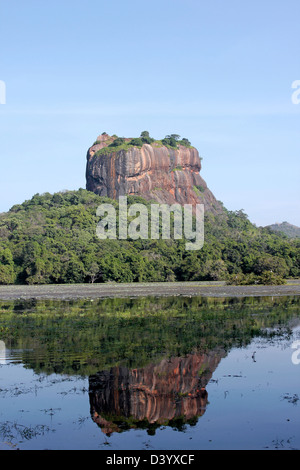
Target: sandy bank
[98,291]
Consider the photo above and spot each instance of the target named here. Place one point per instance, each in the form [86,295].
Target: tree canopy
[52,239]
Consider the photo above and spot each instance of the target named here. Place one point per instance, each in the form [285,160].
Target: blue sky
[219,73]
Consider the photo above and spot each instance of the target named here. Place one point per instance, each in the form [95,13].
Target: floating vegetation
[15,431]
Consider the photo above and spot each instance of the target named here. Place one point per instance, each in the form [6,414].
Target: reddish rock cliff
[154,172]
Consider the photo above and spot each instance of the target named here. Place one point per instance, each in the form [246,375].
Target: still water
[150,373]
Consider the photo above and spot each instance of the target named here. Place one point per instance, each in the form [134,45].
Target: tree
[215,270]
[185,142]
[7,272]
[93,272]
[145,134]
[146,139]
[169,140]
[272,264]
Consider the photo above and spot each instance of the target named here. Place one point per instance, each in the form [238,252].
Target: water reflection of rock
[169,393]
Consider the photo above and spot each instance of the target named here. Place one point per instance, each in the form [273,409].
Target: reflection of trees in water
[83,337]
[170,393]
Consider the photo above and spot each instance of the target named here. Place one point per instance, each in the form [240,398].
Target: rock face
[154,172]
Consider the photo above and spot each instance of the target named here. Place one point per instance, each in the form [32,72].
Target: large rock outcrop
[154,171]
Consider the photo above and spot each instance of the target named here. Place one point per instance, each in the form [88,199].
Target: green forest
[51,239]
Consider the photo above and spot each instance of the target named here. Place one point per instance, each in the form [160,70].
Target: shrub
[118,141]
[147,140]
[270,278]
[136,142]
[266,278]
[178,168]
